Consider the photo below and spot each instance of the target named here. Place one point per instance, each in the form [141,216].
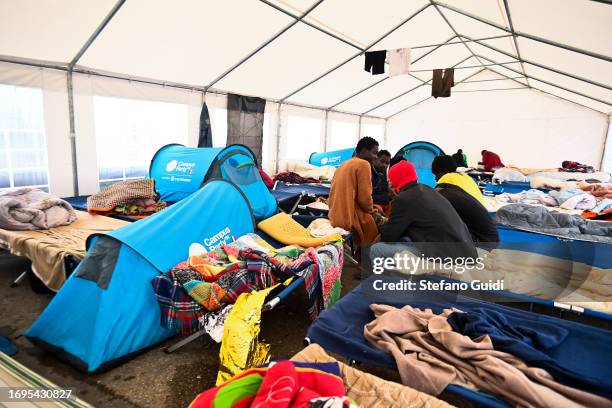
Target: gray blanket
[33,209]
[539,219]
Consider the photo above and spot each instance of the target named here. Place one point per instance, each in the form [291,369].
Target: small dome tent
[421,154]
[107,309]
[179,171]
[334,158]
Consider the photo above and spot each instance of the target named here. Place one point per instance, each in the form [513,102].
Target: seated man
[458,190]
[381,193]
[445,170]
[460,158]
[421,215]
[490,161]
[350,198]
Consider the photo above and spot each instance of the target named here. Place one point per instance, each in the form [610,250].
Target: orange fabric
[350,200]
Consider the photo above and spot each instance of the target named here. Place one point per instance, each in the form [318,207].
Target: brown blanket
[430,356]
[120,193]
[368,390]
[47,248]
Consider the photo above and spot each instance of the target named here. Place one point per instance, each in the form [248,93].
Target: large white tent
[534,79]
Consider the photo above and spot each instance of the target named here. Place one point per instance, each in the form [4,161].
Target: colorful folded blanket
[280,384]
[219,277]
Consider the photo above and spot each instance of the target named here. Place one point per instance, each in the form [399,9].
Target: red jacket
[491,160]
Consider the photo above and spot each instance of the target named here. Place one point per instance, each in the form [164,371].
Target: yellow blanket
[287,231]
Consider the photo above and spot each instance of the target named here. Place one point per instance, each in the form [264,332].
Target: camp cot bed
[290,196]
[598,254]
[511,187]
[353,310]
[273,299]
[55,253]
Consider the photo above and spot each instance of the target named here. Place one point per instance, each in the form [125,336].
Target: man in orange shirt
[350,198]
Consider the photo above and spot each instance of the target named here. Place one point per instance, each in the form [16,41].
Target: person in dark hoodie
[421,215]
[381,193]
[460,158]
[470,209]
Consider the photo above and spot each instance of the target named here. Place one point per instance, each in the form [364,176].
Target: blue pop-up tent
[334,158]
[421,154]
[107,309]
[179,171]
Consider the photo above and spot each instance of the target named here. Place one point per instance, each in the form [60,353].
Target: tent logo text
[222,237]
[171,165]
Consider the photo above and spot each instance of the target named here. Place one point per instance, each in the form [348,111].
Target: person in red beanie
[419,214]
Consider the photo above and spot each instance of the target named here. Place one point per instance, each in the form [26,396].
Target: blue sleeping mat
[585,351]
[511,187]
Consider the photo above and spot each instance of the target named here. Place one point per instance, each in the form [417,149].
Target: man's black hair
[365,143]
[384,152]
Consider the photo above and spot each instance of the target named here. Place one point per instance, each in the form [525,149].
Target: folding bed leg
[19,279]
[185,341]
[349,256]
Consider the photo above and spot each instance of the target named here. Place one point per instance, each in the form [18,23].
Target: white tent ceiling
[309,52]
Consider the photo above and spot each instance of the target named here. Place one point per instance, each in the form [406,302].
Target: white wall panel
[526,128]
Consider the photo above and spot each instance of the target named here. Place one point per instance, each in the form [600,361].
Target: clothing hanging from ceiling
[442,82]
[205,134]
[375,62]
[245,116]
[399,61]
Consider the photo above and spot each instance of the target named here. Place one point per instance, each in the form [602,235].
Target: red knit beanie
[402,173]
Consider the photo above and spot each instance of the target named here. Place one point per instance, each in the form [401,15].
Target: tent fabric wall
[55,110]
[317,48]
[549,131]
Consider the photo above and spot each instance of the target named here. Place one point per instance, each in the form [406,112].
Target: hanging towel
[375,62]
[245,116]
[442,82]
[399,61]
[205,134]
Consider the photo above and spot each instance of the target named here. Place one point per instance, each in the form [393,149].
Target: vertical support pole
[75,177]
[386,142]
[359,129]
[605,146]
[325,130]
[278,141]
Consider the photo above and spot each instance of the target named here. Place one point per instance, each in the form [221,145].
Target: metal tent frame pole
[70,90]
[385,78]
[525,35]
[548,93]
[556,86]
[266,43]
[556,71]
[516,47]
[453,29]
[361,51]
[429,97]
[278,140]
[605,146]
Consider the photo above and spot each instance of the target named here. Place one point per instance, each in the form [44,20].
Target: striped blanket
[189,290]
